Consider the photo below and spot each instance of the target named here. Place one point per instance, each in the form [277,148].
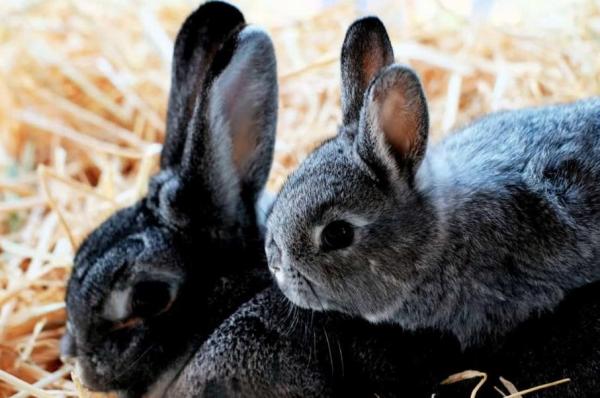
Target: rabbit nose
[68,348]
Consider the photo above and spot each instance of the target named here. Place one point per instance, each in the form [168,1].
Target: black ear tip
[205,30]
[214,17]
[220,9]
[369,22]
[365,25]
[249,39]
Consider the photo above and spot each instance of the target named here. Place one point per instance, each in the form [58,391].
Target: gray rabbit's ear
[229,148]
[366,50]
[200,37]
[394,122]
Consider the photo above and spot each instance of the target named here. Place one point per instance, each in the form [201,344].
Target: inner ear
[399,122]
[243,109]
[395,115]
[235,97]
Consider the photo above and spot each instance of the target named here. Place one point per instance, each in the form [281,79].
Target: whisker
[341,356]
[134,362]
[312,289]
[329,349]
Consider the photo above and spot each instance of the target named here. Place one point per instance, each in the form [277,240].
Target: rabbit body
[471,236]
[516,202]
[269,349]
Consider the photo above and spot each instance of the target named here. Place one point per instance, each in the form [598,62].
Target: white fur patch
[117,307]
[356,220]
[316,235]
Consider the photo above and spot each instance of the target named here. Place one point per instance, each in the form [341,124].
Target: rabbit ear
[366,50]
[394,122]
[198,40]
[229,147]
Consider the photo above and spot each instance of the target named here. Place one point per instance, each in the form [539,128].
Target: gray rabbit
[153,281]
[471,236]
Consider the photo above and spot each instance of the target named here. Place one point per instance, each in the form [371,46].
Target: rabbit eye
[337,235]
[150,298]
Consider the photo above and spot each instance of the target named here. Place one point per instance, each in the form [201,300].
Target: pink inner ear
[245,144]
[398,120]
[371,64]
[376,58]
[241,113]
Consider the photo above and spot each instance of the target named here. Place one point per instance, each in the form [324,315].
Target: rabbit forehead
[330,184]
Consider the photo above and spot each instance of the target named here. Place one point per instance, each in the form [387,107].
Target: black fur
[196,231]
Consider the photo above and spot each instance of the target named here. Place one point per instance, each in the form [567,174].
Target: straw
[83,96]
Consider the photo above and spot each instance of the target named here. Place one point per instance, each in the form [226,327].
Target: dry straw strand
[83,96]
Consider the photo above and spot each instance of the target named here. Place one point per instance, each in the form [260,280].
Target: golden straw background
[83,89]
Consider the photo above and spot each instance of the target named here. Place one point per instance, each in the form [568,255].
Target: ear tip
[215,13]
[398,73]
[220,9]
[257,40]
[400,76]
[403,70]
[366,24]
[255,33]
[371,21]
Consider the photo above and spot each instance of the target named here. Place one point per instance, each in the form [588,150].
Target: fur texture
[152,282]
[472,236]
[271,349]
[268,348]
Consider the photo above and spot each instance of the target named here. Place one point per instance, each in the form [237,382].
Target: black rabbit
[154,280]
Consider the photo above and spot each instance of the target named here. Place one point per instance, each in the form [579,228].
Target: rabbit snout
[68,346]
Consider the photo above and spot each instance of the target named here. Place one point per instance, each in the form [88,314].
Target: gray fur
[494,225]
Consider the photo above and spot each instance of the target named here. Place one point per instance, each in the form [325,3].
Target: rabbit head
[158,277]
[351,209]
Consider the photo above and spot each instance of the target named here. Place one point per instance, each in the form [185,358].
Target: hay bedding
[83,88]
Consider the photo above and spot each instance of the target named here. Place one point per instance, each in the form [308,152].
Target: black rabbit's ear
[198,40]
[366,50]
[229,147]
[394,122]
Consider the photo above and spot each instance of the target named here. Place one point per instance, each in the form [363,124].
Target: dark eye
[337,235]
[150,298]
